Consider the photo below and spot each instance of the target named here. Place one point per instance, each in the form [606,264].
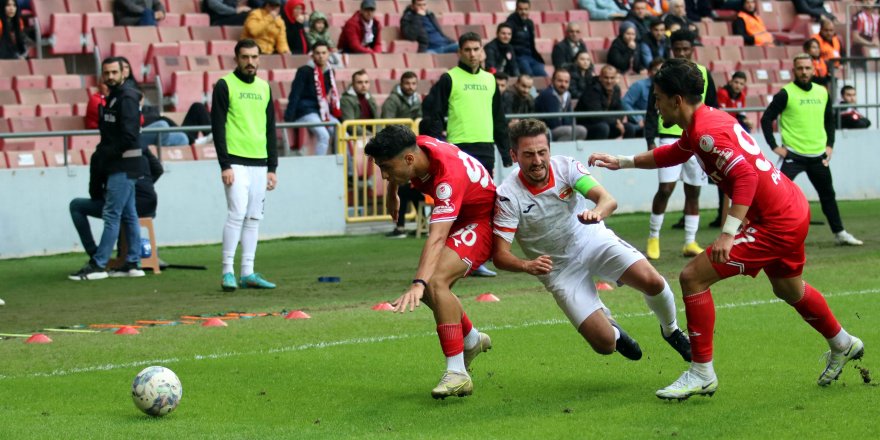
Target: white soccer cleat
[844,238]
[836,361]
[689,384]
[484,345]
[2,303]
[453,383]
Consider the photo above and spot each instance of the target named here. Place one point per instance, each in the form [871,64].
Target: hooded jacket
[270,34]
[399,106]
[351,40]
[351,107]
[523,40]
[296,31]
[312,35]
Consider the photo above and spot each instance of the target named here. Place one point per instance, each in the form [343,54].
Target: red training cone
[383,306]
[38,338]
[126,330]
[214,322]
[297,314]
[601,285]
[487,297]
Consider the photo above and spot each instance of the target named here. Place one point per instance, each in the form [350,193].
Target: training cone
[601,285]
[297,314]
[383,306]
[487,297]
[38,338]
[126,330]
[214,322]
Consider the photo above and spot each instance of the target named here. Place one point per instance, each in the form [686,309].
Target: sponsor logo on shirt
[250,96]
[445,207]
[810,101]
[529,208]
[723,156]
[444,191]
[475,88]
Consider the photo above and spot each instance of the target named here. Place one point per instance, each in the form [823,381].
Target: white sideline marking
[376,339]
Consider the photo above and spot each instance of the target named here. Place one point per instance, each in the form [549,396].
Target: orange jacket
[755,27]
[829,49]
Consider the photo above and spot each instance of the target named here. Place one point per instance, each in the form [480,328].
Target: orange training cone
[601,285]
[38,338]
[126,330]
[487,297]
[383,306]
[297,314]
[214,322]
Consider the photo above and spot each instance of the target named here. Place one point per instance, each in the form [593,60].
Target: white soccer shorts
[246,195]
[689,172]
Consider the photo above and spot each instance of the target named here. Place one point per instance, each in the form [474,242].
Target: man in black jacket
[527,55]
[420,25]
[604,95]
[565,51]
[500,56]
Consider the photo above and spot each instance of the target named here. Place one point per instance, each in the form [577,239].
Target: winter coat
[399,106]
[501,58]
[352,37]
[412,29]
[269,33]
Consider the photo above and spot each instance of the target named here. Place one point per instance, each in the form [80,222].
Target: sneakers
[680,342]
[844,238]
[91,271]
[396,233]
[130,270]
[484,345]
[483,271]
[255,281]
[228,283]
[836,361]
[691,249]
[204,140]
[689,384]
[2,303]
[627,346]
[653,250]
[453,383]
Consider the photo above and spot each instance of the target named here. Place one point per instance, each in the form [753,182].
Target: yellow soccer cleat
[453,383]
[691,249]
[653,251]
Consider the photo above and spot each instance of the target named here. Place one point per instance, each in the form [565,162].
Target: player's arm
[435,108]
[745,183]
[593,191]
[504,259]
[780,101]
[392,201]
[829,132]
[437,234]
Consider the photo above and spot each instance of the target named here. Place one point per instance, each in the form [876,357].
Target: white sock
[616,332]
[691,224]
[706,371]
[655,224]
[840,342]
[472,339]
[249,235]
[456,363]
[231,236]
[663,306]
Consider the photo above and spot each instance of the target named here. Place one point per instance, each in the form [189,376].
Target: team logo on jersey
[529,208]
[565,193]
[444,191]
[582,169]
[707,143]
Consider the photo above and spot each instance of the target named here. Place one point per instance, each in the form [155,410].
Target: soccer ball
[156,391]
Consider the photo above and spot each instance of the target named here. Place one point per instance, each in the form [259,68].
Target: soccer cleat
[691,249]
[844,238]
[626,345]
[483,271]
[228,283]
[130,270]
[836,361]
[91,271]
[680,342]
[653,251]
[396,233]
[255,281]
[484,345]
[2,303]
[689,384]
[453,383]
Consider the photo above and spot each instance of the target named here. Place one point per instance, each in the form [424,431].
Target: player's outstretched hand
[721,249]
[411,298]
[392,206]
[604,160]
[589,217]
[539,266]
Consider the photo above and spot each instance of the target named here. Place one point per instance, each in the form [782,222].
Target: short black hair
[503,25]
[809,43]
[407,75]
[559,70]
[390,142]
[247,43]
[844,89]
[656,21]
[469,36]
[502,76]
[739,74]
[680,77]
[682,35]
[111,60]
[529,127]
[656,62]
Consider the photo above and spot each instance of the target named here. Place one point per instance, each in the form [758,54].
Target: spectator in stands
[820,69]
[500,55]
[266,27]
[602,9]
[829,43]
[314,97]
[581,73]
[699,9]
[636,97]
[864,30]
[13,42]
[528,58]
[357,102]
[362,33]
[813,8]
[640,17]
[555,99]
[654,44]
[404,101]
[227,12]
[750,26]
[138,12]
[294,17]
[677,18]
[604,95]
[850,116]
[420,25]
[518,98]
[565,50]
[733,95]
[501,80]
[319,30]
[624,51]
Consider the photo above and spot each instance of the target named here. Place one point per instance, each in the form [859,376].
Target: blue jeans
[119,207]
[445,48]
[323,134]
[530,66]
[80,211]
[170,139]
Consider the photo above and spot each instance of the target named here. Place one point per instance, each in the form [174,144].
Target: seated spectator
[357,102]
[226,12]
[404,102]
[528,58]
[820,68]
[581,73]
[362,33]
[500,55]
[602,9]
[266,27]
[138,12]
[850,116]
[501,79]
[677,18]
[294,17]
[565,50]
[864,30]
[813,8]
[420,25]
[829,43]
[656,8]
[518,98]
[314,97]
[13,42]
[699,9]
[636,97]
[623,53]
[555,99]
[319,30]
[733,95]
[640,17]
[750,26]
[604,95]
[654,44]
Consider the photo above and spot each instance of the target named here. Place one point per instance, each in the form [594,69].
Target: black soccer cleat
[627,346]
[680,342]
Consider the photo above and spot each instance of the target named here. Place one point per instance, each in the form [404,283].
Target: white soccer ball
[156,391]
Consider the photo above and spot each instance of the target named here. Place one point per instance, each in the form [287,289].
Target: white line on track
[373,340]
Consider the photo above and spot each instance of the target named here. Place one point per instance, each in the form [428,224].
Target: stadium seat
[359,61]
[8,97]
[65,33]
[25,159]
[134,52]
[82,6]
[446,60]
[29,82]
[164,66]
[35,96]
[190,48]
[553,31]
[464,6]
[282,75]
[17,111]
[45,110]
[391,19]
[711,40]
[432,74]
[451,19]
[562,5]
[221,47]
[65,82]
[187,87]
[143,34]
[71,96]
[545,46]
[65,123]
[183,6]
[232,32]
[94,20]
[195,19]
[605,29]
[86,143]
[47,66]
[36,125]
[416,61]
[104,38]
[554,17]
[174,34]
[501,6]
[732,40]
[389,60]
[705,55]
[271,62]
[295,61]
[171,20]
[403,46]
[43,10]
[206,33]
[481,18]
[729,53]
[578,15]
[56,158]
[716,28]
[386,86]
[389,34]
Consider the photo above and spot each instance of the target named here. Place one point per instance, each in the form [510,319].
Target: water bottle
[146,248]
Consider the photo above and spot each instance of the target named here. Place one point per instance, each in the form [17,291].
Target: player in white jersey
[543,206]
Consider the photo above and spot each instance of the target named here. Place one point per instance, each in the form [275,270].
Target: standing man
[123,164]
[528,58]
[660,132]
[459,238]
[470,98]
[314,97]
[243,123]
[806,122]
[778,218]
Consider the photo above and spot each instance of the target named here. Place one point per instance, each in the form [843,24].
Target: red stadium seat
[54,110]
[171,20]
[403,46]
[94,20]
[446,60]
[221,47]
[29,82]
[56,158]
[8,97]
[71,96]
[386,86]
[104,38]
[295,61]
[732,40]
[606,29]
[195,19]
[389,34]
[86,144]
[232,32]
[17,111]
[134,52]
[65,82]
[183,6]
[187,87]
[501,6]
[578,15]
[106,5]
[562,5]
[716,28]
[753,53]
[729,53]
[65,32]
[47,66]
[174,34]
[706,54]
[164,66]
[389,60]
[711,40]
[553,31]
[481,18]
[35,96]
[554,17]
[64,123]
[156,51]
[418,61]
[359,61]
[206,33]
[464,6]
[271,62]
[282,75]
[43,9]
[203,63]
[189,48]
[82,6]
[143,34]
[451,19]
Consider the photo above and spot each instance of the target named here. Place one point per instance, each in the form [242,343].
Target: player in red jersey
[459,238]
[772,211]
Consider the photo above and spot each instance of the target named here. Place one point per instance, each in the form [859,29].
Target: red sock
[700,312]
[815,311]
[466,325]
[451,340]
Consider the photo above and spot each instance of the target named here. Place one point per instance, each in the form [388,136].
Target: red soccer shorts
[779,251]
[472,241]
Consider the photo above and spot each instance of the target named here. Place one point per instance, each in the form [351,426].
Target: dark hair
[809,43]
[739,74]
[529,127]
[656,21]
[502,76]
[656,62]
[503,25]
[559,70]
[845,88]
[390,142]
[247,43]
[111,60]
[680,77]
[469,36]
[12,27]
[357,74]
[524,1]
[407,75]
[583,51]
[682,35]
